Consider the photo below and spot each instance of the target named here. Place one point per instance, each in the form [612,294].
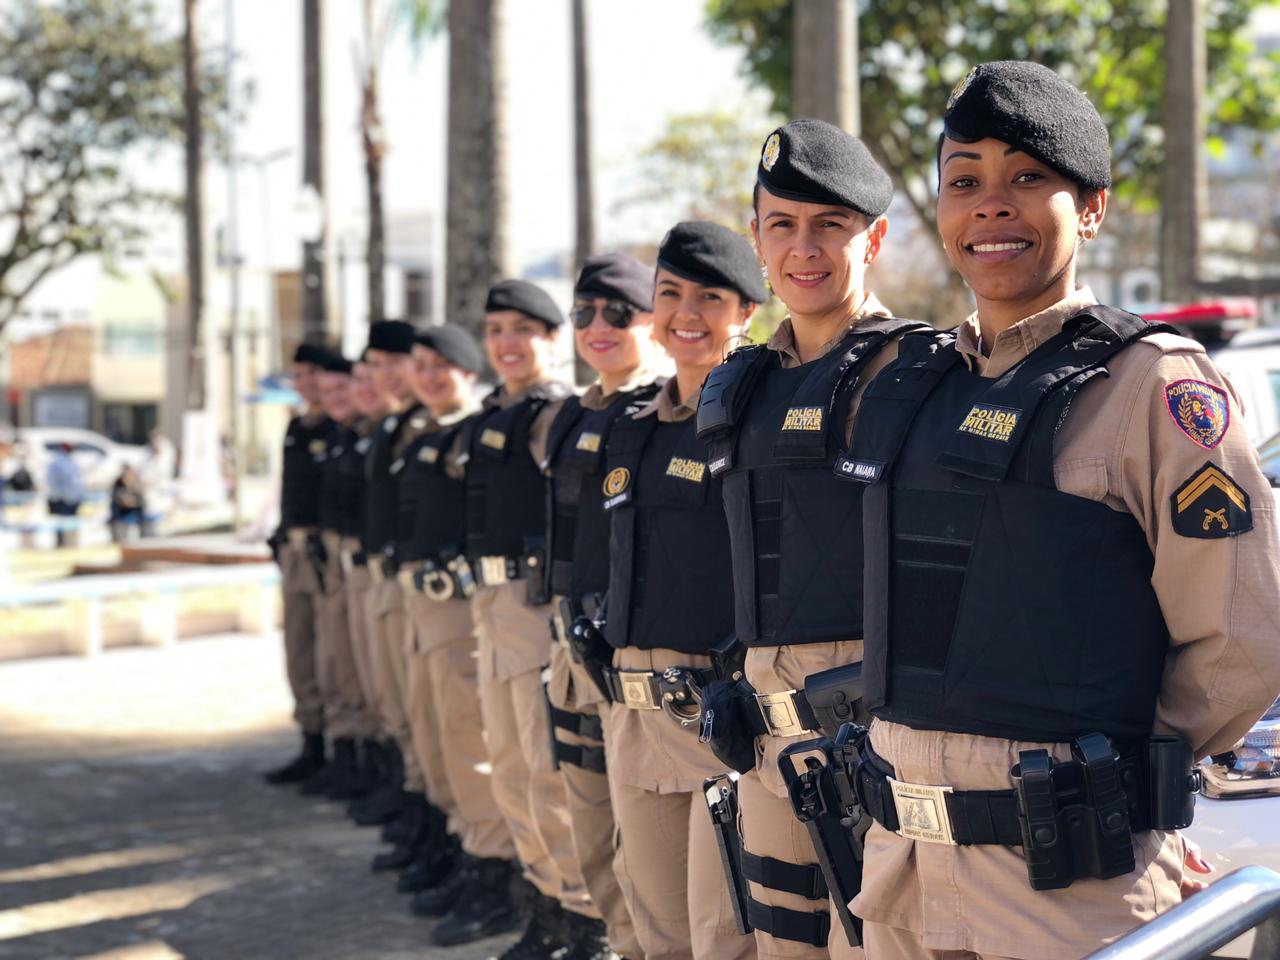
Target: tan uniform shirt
[1221,600]
[775,669]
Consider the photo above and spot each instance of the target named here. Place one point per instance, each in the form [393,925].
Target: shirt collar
[783,340]
[1016,342]
[596,399]
[669,409]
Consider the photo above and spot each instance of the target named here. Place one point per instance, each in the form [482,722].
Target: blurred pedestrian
[64,490]
[128,504]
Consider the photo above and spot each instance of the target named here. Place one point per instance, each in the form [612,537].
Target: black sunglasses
[616,313]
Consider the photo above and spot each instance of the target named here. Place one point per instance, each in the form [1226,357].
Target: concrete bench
[84,596]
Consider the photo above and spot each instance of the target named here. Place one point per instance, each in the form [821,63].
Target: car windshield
[1269,454]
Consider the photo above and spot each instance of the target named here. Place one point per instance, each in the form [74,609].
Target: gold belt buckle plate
[636,690]
[779,712]
[922,812]
[493,570]
[347,562]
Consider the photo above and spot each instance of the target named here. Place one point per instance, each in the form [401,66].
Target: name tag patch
[590,442]
[803,418]
[428,455]
[495,439]
[1211,505]
[867,471]
[991,422]
[685,469]
[718,464]
[1200,410]
[363,444]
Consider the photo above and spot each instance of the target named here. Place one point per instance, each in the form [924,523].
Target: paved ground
[134,824]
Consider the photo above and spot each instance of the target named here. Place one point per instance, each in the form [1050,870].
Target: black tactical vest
[506,491]
[332,494]
[996,604]
[306,447]
[350,476]
[669,583]
[382,468]
[431,505]
[794,519]
[578,531]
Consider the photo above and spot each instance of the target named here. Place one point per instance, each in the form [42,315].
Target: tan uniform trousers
[513,642]
[889,943]
[357,583]
[591,817]
[344,712]
[301,592]
[384,605]
[444,714]
[769,825]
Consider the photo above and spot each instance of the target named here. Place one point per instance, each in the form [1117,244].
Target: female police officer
[613,299]
[1069,549]
[777,420]
[670,601]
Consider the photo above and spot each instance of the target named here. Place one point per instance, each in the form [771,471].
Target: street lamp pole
[233,268]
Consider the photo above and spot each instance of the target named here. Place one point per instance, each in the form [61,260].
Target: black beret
[713,255]
[311,353]
[616,276]
[335,362]
[455,344]
[1028,106]
[391,336]
[529,298]
[816,162]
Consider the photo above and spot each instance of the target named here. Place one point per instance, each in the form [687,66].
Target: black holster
[721,794]
[729,658]
[533,567]
[276,542]
[318,556]
[730,723]
[835,695]
[587,644]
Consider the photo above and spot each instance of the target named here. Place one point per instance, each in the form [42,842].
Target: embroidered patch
[1210,505]
[772,149]
[991,422]
[317,447]
[1200,410]
[390,423]
[590,442]
[803,418]
[418,423]
[958,90]
[493,438]
[719,464]
[428,454]
[397,466]
[685,469]
[363,445]
[868,471]
[616,481]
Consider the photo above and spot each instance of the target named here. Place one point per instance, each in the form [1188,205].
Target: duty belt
[656,690]
[297,536]
[381,567]
[351,559]
[438,581]
[493,571]
[785,714]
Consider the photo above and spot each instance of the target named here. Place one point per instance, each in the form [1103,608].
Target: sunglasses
[616,313]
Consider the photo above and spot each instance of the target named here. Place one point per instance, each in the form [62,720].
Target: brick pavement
[134,824]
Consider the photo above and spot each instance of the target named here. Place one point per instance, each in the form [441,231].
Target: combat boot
[433,860]
[483,906]
[438,900]
[345,781]
[416,818]
[385,803]
[588,938]
[308,762]
[545,934]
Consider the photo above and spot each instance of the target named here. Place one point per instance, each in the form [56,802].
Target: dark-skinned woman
[1072,581]
[670,602]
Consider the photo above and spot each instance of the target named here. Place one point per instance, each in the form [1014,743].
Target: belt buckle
[636,691]
[779,712]
[405,579]
[346,561]
[493,571]
[922,812]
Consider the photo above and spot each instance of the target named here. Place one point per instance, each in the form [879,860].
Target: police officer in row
[296,544]
[777,420]
[669,616]
[612,322]
[502,450]
[443,700]
[1072,581]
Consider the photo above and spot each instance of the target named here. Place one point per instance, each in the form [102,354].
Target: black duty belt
[351,559]
[381,567]
[785,714]
[675,687]
[493,571]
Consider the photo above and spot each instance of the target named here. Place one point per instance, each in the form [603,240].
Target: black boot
[385,803]
[416,817]
[438,900]
[544,935]
[432,864]
[316,784]
[588,938]
[305,764]
[345,781]
[483,905]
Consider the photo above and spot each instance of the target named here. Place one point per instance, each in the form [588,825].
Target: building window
[129,422]
[131,340]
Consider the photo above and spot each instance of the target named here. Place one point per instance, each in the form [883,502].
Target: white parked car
[99,459]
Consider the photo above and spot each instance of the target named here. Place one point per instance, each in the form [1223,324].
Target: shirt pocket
[1086,477]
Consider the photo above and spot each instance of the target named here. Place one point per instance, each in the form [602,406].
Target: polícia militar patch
[1200,410]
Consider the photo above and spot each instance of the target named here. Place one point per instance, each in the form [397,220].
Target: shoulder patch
[616,481]
[1210,505]
[1200,410]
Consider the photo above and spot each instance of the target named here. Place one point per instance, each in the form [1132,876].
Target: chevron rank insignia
[1210,505]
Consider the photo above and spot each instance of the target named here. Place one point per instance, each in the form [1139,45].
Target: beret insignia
[1200,410]
[959,89]
[1210,505]
[772,147]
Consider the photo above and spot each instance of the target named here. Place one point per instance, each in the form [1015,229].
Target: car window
[1273,379]
[90,450]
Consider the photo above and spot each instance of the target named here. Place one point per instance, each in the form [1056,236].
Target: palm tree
[1185,184]
[584,188]
[193,205]
[824,78]
[314,320]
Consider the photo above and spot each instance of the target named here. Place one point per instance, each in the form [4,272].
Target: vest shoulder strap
[728,389]
[562,426]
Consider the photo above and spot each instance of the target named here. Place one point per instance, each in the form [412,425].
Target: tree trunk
[1185,184]
[824,75]
[476,216]
[374,149]
[584,188]
[193,207]
[314,325]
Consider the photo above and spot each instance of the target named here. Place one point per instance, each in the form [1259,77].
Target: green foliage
[913,52]
[84,84]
